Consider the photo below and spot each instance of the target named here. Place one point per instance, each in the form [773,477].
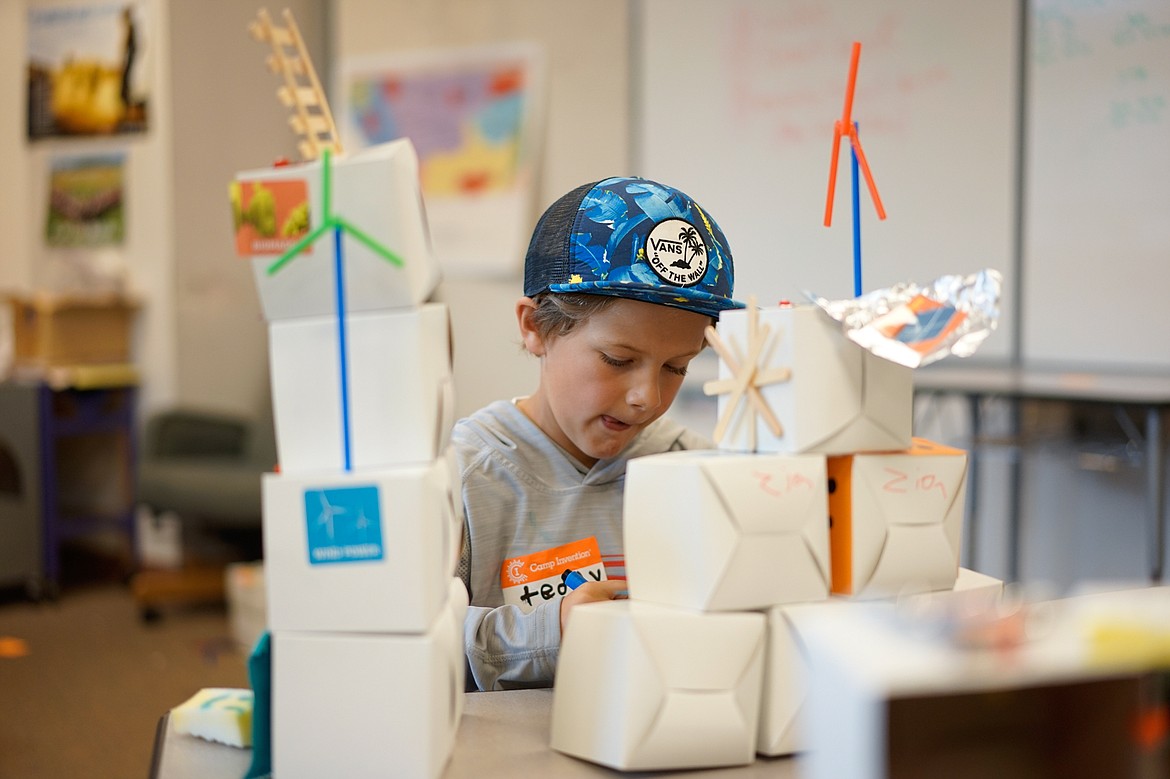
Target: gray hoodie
[533,510]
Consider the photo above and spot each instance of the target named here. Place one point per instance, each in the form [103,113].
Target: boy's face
[611,376]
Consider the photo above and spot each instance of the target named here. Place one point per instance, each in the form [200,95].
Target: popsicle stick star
[743,387]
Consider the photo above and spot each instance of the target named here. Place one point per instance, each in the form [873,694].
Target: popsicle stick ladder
[301,91]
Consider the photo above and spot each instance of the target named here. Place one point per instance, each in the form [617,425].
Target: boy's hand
[612,589]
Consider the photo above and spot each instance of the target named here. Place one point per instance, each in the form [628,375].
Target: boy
[621,279]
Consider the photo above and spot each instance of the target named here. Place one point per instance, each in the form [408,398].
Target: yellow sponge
[217,714]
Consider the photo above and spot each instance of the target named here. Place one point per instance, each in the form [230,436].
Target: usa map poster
[472,115]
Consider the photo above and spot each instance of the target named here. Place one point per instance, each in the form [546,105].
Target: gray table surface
[1047,383]
[502,734]
[1149,391]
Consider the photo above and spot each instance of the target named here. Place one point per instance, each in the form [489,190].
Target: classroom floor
[83,680]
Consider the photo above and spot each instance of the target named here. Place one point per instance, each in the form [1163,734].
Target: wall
[745,124]
[15,270]
[201,340]
[1097,185]
[145,260]
[226,119]
[586,45]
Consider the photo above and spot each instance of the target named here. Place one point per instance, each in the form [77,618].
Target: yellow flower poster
[87,70]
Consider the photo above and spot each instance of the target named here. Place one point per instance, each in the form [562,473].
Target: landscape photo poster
[88,69]
[474,117]
[270,217]
[86,201]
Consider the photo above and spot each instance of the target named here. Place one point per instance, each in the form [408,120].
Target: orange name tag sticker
[529,580]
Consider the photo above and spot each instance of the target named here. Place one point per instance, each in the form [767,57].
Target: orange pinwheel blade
[846,127]
[833,174]
[864,165]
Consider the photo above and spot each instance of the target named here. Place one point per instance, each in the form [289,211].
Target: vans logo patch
[676,252]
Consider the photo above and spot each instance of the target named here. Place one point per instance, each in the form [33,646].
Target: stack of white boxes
[814,431]
[361,524]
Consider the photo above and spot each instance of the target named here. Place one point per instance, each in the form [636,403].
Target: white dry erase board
[1096,248]
[734,103]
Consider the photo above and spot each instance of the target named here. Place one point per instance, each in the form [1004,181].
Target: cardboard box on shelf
[366,704]
[369,551]
[58,331]
[889,702]
[725,531]
[376,191]
[897,520]
[647,687]
[401,397]
[835,398]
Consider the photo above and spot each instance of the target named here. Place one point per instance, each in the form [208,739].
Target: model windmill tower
[816,489]
[361,529]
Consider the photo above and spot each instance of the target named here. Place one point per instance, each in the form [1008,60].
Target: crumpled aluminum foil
[915,326]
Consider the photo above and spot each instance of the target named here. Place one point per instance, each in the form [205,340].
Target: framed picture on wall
[473,117]
[87,69]
[85,201]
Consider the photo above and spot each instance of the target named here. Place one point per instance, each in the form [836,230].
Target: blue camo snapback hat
[632,238]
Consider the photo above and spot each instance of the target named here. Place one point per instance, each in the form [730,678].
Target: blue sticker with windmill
[343,524]
[340,227]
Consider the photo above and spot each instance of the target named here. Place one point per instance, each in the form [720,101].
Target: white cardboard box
[377,191]
[644,687]
[786,665]
[401,396]
[897,520]
[724,531]
[976,588]
[369,705]
[838,397]
[785,681]
[370,551]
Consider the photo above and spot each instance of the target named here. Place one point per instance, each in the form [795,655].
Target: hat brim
[676,297]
